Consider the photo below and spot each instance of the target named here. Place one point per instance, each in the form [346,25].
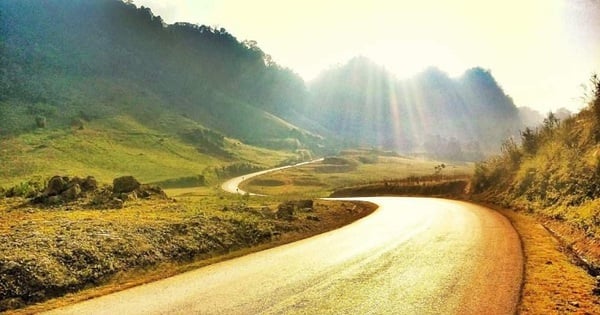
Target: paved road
[233,184]
[411,256]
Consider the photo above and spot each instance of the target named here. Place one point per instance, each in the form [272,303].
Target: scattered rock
[71,193]
[129,197]
[55,186]
[313,218]
[304,204]
[116,203]
[125,184]
[53,200]
[285,211]
[89,184]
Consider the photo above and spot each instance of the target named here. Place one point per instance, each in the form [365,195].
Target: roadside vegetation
[553,173]
[73,242]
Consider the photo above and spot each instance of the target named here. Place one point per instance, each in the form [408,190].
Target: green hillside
[104,88]
[64,61]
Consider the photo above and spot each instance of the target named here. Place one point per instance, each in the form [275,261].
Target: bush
[40,121]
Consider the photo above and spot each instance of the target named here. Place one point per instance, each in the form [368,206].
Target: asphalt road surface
[233,184]
[411,256]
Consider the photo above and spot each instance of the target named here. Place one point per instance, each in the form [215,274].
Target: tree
[529,140]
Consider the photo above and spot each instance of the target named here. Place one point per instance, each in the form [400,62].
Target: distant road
[411,256]
[233,184]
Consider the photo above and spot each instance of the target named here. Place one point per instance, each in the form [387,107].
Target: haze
[540,51]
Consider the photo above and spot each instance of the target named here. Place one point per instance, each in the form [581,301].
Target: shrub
[40,121]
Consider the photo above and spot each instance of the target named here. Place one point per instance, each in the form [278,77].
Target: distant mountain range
[62,62]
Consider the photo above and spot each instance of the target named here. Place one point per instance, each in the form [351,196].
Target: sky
[542,52]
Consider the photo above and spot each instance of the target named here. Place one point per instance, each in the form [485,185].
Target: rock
[74,181]
[116,203]
[125,184]
[129,197]
[303,204]
[53,200]
[89,184]
[56,185]
[313,218]
[285,211]
[71,193]
[574,303]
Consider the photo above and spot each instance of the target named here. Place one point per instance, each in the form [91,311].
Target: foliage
[69,60]
[555,170]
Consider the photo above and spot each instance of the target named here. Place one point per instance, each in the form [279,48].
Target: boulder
[304,204]
[285,211]
[56,185]
[125,184]
[89,184]
[116,203]
[71,193]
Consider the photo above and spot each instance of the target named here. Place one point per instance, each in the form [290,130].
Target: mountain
[104,88]
[77,73]
[70,60]
[364,104]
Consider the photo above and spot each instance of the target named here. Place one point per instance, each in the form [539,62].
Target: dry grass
[553,284]
[320,180]
[163,234]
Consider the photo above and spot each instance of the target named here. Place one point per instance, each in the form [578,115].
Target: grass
[51,251]
[113,147]
[321,179]
[553,283]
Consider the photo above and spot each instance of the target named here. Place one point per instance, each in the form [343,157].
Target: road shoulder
[553,284]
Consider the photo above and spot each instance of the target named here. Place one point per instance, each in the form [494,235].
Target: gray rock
[313,218]
[125,184]
[71,193]
[285,212]
[56,185]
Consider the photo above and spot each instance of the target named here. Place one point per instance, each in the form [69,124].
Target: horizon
[515,41]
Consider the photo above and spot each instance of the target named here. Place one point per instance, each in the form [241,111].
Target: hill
[82,83]
[365,104]
[553,172]
[106,88]
[65,61]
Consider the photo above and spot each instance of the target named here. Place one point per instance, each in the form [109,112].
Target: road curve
[411,256]
[232,185]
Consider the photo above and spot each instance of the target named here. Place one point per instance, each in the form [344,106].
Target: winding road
[411,256]
[232,185]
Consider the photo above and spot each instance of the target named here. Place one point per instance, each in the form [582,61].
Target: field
[350,169]
[107,148]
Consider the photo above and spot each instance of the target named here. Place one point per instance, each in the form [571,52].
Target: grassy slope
[116,146]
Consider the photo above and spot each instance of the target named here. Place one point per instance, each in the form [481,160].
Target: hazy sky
[540,51]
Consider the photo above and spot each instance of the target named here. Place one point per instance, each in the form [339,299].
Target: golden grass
[552,283]
[310,180]
[48,223]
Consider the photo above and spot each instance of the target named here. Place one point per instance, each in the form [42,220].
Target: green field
[351,168]
[108,148]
